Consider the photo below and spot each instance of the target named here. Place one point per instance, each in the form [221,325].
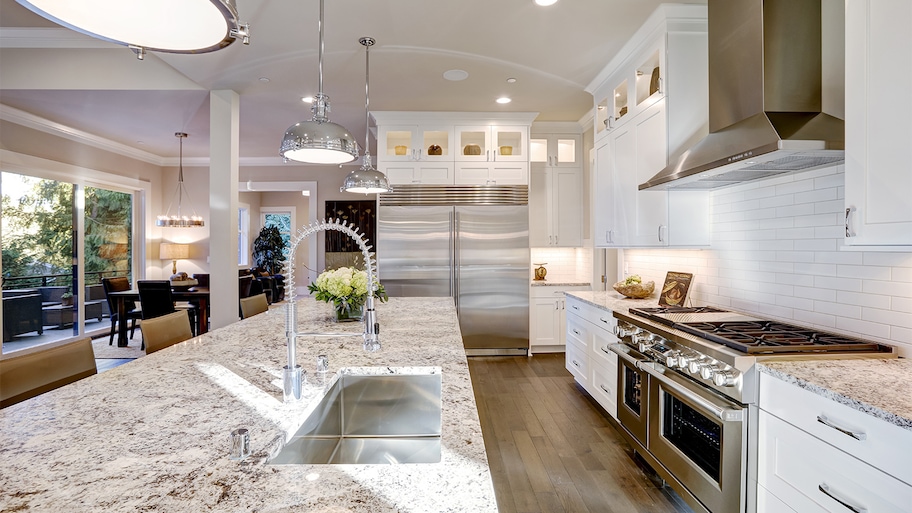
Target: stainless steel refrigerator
[467,242]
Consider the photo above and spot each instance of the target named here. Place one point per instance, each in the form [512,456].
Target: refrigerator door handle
[456,259]
[452,245]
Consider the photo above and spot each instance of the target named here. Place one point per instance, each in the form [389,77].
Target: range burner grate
[775,337]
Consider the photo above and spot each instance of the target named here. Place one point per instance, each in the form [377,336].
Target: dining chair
[120,284]
[166,330]
[30,372]
[253,305]
[156,298]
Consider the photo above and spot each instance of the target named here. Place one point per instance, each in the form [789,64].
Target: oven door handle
[723,414]
[622,351]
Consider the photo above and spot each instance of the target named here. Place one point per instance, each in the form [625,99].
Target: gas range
[717,347]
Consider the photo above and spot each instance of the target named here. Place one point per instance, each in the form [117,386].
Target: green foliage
[39,229]
[268,249]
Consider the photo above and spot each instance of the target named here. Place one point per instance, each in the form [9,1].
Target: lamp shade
[366,181]
[171,251]
[176,26]
[319,142]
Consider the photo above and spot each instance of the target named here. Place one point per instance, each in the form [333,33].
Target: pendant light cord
[367,42]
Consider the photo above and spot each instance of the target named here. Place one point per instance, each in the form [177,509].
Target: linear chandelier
[319,141]
[366,180]
[179,220]
[173,26]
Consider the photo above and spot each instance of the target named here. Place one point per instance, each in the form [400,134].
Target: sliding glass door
[58,241]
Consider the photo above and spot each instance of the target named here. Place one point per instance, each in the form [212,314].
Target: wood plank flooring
[550,446]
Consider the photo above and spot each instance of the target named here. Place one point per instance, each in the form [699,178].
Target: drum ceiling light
[319,141]
[173,26]
[179,221]
[366,180]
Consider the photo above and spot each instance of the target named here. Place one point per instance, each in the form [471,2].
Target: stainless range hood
[767,95]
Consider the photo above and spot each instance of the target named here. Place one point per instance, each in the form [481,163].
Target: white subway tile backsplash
[776,251]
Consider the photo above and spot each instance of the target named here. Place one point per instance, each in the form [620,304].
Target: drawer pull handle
[605,389]
[577,332]
[826,422]
[576,363]
[603,320]
[826,491]
[575,307]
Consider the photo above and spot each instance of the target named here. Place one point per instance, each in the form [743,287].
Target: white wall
[777,251]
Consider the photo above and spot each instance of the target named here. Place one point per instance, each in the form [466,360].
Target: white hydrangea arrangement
[345,288]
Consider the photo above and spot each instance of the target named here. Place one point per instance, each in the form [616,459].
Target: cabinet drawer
[598,347]
[578,361]
[593,314]
[579,330]
[603,386]
[885,446]
[810,475]
[769,503]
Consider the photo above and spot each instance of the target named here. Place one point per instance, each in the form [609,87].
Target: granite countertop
[879,387]
[152,435]
[611,300]
[544,283]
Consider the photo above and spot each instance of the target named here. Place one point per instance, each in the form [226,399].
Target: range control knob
[724,378]
[708,371]
[696,364]
[684,360]
[671,359]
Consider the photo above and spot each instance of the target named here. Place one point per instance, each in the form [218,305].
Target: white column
[224,143]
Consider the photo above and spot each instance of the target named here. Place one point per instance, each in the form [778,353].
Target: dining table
[199,295]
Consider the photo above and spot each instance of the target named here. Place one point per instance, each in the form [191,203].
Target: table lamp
[173,252]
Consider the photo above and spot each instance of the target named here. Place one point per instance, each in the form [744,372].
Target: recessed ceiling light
[455,75]
[511,80]
[545,3]
[140,142]
[307,99]
[503,99]
[264,79]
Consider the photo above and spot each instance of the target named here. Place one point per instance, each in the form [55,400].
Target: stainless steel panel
[493,277]
[415,250]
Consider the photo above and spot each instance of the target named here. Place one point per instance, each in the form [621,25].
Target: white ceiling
[552,52]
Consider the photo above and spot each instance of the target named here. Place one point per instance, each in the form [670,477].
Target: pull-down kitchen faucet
[291,375]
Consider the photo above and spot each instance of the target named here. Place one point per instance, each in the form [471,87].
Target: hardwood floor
[550,447]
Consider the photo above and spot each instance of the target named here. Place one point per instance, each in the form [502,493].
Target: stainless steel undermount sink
[371,419]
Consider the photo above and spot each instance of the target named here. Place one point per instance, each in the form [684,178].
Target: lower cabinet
[547,322]
[590,330]
[816,455]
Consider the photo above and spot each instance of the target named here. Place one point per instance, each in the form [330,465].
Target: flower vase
[349,315]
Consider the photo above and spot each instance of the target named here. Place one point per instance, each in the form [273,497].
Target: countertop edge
[838,397]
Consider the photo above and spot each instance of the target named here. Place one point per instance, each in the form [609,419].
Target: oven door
[632,392]
[699,437]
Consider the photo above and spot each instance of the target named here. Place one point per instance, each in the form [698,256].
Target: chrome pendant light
[179,220]
[319,141]
[366,180]
[173,26]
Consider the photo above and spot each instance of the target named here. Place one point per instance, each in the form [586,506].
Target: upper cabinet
[555,188]
[878,172]
[453,147]
[650,105]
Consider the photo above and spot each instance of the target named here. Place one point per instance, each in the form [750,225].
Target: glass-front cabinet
[555,150]
[485,143]
[414,142]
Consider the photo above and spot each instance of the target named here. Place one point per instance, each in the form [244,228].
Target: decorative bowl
[471,149]
[635,290]
[435,149]
[400,150]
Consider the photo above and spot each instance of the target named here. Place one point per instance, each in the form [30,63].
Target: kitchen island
[152,435]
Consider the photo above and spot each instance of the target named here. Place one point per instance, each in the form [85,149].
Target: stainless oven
[633,392]
[700,437]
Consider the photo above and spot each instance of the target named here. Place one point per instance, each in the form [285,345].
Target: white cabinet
[547,319]
[453,147]
[595,369]
[651,104]
[816,455]
[878,172]
[555,190]
[556,207]
[492,154]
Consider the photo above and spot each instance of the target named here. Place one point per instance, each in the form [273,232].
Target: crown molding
[20,117]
